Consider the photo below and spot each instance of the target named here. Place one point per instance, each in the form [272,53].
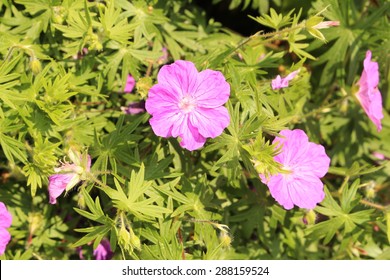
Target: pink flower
[369,95]
[103,250]
[5,222]
[280,82]
[188,104]
[305,163]
[71,174]
[130,83]
[134,108]
[326,24]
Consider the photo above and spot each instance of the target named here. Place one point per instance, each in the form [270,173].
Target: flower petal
[58,184]
[163,122]
[212,89]
[191,139]
[5,216]
[180,77]
[5,238]
[372,105]
[279,190]
[162,97]
[210,122]
[306,192]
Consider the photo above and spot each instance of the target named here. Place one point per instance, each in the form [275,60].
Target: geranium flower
[280,82]
[69,175]
[5,222]
[130,83]
[369,95]
[103,251]
[304,163]
[188,104]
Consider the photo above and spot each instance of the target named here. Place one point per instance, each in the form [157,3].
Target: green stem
[372,204]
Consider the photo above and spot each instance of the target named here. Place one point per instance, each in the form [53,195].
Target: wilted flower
[103,251]
[5,222]
[369,95]
[188,104]
[130,83]
[304,164]
[280,82]
[69,175]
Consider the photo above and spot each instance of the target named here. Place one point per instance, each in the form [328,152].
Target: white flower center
[187,104]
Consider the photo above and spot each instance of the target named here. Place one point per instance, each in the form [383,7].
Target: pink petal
[180,77]
[103,250]
[372,105]
[276,83]
[57,184]
[162,97]
[210,122]
[5,216]
[369,95]
[191,139]
[306,192]
[5,238]
[279,191]
[130,83]
[163,122]
[212,89]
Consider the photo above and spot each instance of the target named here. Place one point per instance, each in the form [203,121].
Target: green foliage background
[62,73]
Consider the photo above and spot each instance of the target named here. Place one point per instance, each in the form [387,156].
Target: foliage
[64,64]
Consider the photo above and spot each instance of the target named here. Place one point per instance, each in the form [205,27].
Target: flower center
[187,104]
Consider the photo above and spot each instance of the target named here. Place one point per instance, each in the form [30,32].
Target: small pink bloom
[369,95]
[326,24]
[188,104]
[164,57]
[134,108]
[305,163]
[280,82]
[130,83]
[71,174]
[5,222]
[103,251]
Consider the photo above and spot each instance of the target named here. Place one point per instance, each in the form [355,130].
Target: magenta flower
[280,82]
[103,251]
[130,83]
[70,175]
[304,164]
[134,108]
[188,104]
[369,95]
[5,222]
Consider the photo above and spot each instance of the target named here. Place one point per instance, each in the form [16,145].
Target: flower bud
[124,238]
[310,218]
[35,66]
[35,221]
[225,239]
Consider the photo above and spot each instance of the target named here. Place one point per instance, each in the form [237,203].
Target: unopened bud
[35,222]
[225,239]
[35,66]
[310,218]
